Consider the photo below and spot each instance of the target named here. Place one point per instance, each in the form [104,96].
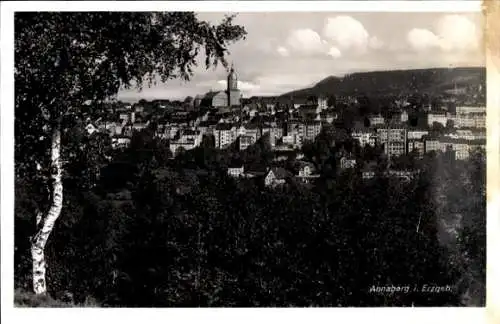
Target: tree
[331,101]
[450,125]
[64,60]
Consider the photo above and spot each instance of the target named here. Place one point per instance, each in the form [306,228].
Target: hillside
[431,81]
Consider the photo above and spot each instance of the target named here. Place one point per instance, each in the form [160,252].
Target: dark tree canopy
[64,59]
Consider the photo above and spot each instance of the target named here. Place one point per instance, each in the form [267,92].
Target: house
[236,172]
[376,120]
[246,141]
[139,126]
[347,162]
[120,142]
[305,171]
[401,174]
[416,145]
[369,170]
[91,129]
[276,177]
[404,116]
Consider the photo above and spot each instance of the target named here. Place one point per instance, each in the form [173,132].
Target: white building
[470,109]
[470,120]
[235,172]
[322,103]
[376,120]
[225,134]
[364,137]
[417,134]
[436,118]
[404,117]
[467,134]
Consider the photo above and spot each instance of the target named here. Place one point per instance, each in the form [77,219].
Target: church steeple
[233,94]
[232,79]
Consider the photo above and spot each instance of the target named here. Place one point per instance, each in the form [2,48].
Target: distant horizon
[286,51]
[137,99]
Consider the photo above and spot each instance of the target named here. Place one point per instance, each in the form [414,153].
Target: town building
[431,144]
[225,135]
[376,120]
[393,138]
[364,137]
[347,162]
[246,141]
[236,172]
[416,145]
[276,177]
[416,134]
[470,109]
[440,118]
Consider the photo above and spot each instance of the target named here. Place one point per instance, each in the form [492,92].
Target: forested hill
[431,81]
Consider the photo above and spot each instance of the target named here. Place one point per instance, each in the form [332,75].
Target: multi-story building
[431,144]
[470,120]
[190,134]
[187,140]
[364,137]
[479,119]
[322,103]
[275,132]
[440,118]
[416,145]
[416,134]
[251,130]
[467,134]
[470,109]
[311,129]
[393,138]
[395,148]
[246,141]
[177,145]
[225,135]
[376,120]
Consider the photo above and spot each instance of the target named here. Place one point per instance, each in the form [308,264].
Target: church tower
[233,93]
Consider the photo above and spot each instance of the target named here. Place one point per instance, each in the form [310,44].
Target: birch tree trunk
[45,223]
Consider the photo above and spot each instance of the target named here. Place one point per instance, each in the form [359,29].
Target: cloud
[334,52]
[283,51]
[422,39]
[452,33]
[306,41]
[375,43]
[457,33]
[347,33]
[242,85]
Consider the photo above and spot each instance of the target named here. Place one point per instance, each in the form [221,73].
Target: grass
[28,299]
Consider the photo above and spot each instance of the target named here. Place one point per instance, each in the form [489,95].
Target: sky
[290,51]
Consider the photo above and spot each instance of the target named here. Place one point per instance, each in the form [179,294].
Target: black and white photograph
[248,159]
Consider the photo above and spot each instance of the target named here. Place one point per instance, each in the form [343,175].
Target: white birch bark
[45,223]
